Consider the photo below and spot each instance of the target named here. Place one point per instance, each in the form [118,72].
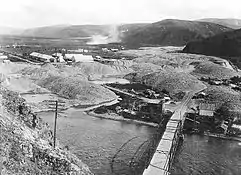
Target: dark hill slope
[229,22]
[225,44]
[172,32]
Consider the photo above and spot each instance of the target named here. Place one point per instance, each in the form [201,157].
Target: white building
[3,57]
[207,109]
[57,54]
[42,57]
[79,57]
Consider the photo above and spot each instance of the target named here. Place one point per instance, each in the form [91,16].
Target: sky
[36,13]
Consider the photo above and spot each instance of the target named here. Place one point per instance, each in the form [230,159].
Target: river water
[202,155]
[96,141]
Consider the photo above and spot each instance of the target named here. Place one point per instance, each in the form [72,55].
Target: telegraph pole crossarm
[54,104]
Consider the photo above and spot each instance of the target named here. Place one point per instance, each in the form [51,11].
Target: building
[79,57]
[114,50]
[207,109]
[57,54]
[42,57]
[3,57]
[59,57]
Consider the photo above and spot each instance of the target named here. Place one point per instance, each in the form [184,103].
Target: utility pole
[1,162]
[54,104]
[55,122]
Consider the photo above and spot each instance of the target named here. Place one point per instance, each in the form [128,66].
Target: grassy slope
[72,82]
[172,32]
[230,22]
[27,150]
[68,31]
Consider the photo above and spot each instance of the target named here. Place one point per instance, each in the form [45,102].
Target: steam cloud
[113,37]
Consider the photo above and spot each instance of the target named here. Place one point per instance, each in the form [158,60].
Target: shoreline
[216,135]
[89,112]
[120,118]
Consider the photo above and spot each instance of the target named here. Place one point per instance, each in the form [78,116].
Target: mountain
[68,31]
[225,44]
[229,22]
[9,30]
[172,32]
[131,27]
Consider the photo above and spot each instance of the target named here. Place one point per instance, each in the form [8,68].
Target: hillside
[172,32]
[229,22]
[72,82]
[227,44]
[27,148]
[68,31]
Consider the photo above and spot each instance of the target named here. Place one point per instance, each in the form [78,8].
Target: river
[96,141]
[202,155]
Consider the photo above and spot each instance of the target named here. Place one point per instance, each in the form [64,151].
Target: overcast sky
[34,13]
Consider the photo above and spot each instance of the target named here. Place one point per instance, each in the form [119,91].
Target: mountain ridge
[173,32]
[228,22]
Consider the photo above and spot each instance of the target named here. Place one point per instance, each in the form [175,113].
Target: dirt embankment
[72,81]
[172,81]
[27,143]
[212,70]
[74,88]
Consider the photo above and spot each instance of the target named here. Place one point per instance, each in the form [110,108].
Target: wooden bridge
[162,159]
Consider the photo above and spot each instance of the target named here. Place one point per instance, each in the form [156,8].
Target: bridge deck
[161,160]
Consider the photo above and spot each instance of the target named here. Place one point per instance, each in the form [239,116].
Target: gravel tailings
[222,94]
[170,80]
[72,82]
[212,70]
[75,88]
[98,70]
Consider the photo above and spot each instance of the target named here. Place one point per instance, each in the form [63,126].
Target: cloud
[32,13]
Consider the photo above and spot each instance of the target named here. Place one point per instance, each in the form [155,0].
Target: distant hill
[172,32]
[9,30]
[68,31]
[229,22]
[123,28]
[227,44]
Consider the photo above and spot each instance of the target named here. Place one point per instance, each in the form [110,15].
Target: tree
[222,113]
[225,112]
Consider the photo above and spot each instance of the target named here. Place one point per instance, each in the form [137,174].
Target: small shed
[79,57]
[3,57]
[207,109]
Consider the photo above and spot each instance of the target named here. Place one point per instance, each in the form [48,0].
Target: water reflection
[96,140]
[205,155]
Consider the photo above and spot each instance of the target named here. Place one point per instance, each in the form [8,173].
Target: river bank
[35,101]
[116,117]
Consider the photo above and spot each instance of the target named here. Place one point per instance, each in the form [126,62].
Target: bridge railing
[168,153]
